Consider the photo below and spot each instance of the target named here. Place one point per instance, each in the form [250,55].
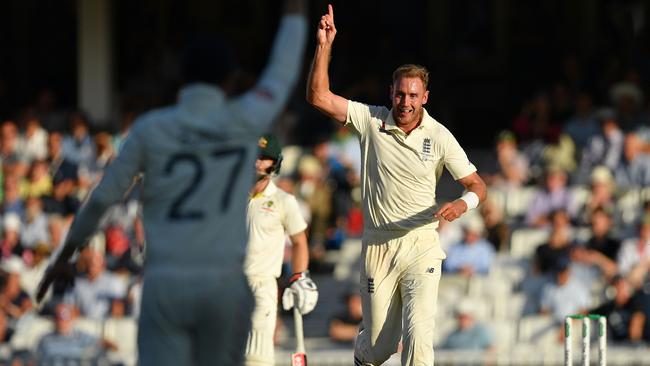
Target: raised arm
[318,85]
[265,101]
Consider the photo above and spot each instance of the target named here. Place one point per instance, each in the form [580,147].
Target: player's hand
[56,270]
[450,211]
[301,293]
[326,28]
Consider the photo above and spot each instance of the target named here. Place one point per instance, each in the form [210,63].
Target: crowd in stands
[569,197]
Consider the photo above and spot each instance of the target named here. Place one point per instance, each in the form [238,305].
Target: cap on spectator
[606,114]
[269,147]
[625,89]
[474,224]
[309,166]
[506,135]
[601,174]
[11,222]
[12,264]
[466,307]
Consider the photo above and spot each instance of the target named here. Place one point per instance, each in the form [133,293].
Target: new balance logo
[431,270]
[371,285]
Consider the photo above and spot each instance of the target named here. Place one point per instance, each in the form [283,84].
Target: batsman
[403,152]
[272,214]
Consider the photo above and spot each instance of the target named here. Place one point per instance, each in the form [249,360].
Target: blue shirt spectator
[468,335]
[473,254]
[66,343]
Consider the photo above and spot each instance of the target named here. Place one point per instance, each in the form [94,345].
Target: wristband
[298,275]
[471,199]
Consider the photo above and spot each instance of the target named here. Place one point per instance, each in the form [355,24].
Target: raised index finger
[330,12]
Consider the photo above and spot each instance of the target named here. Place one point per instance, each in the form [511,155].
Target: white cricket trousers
[399,289]
[259,346]
[194,317]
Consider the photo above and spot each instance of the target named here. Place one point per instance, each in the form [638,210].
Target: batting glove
[301,293]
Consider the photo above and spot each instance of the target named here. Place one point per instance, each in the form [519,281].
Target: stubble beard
[416,117]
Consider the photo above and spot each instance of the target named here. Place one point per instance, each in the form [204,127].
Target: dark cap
[269,147]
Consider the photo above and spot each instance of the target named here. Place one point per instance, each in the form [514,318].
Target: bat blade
[298,359]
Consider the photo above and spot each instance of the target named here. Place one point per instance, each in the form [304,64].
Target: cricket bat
[298,358]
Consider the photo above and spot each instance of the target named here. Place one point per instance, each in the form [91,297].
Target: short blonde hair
[412,71]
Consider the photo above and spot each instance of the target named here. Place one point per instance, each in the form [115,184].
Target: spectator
[67,344]
[12,202]
[619,310]
[60,165]
[10,242]
[633,170]
[39,181]
[35,140]
[634,256]
[33,273]
[554,196]
[497,231]
[559,245]
[564,296]
[56,229]
[473,255]
[104,155]
[118,251]
[34,229]
[97,292]
[469,334]
[344,327]
[601,195]
[583,125]
[79,146]
[512,164]
[13,161]
[601,250]
[62,201]
[602,149]
[627,98]
[14,301]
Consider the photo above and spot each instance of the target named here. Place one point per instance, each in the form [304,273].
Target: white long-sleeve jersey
[197,158]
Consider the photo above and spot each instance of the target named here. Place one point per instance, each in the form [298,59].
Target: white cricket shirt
[271,215]
[399,172]
[197,158]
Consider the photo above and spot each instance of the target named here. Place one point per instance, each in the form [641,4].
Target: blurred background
[550,99]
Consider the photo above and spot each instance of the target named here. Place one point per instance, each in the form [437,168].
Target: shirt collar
[427,122]
[269,191]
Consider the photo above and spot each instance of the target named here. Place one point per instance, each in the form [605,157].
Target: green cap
[269,147]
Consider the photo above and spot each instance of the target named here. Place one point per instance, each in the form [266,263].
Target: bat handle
[300,340]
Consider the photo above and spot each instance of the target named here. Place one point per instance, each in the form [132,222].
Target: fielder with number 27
[196,158]
[403,152]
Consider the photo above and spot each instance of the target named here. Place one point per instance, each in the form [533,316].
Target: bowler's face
[408,96]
